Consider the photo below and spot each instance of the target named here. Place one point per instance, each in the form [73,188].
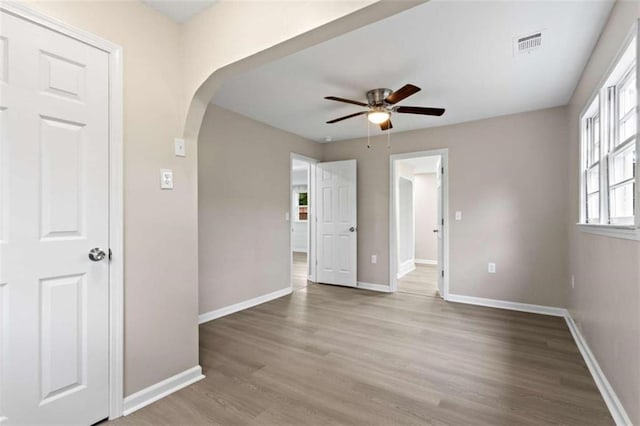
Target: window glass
[622,165]
[593,207]
[627,102]
[593,180]
[595,138]
[303,206]
[621,201]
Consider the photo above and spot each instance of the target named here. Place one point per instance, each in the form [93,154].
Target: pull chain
[368,134]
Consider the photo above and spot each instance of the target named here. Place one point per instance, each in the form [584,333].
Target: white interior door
[440,232]
[337,241]
[54,205]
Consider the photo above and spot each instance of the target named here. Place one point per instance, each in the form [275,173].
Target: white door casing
[440,228]
[336,229]
[54,111]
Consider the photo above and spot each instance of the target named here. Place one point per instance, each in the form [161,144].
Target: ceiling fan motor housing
[376,97]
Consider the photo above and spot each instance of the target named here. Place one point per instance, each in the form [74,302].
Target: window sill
[612,231]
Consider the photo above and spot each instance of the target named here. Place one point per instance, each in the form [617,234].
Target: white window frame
[608,113]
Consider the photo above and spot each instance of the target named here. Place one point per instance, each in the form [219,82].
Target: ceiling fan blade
[348,101]
[402,93]
[386,125]
[419,110]
[335,120]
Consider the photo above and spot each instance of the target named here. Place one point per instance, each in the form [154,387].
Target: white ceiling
[423,164]
[460,53]
[179,10]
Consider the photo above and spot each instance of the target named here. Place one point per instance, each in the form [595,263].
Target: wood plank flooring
[329,355]
[423,281]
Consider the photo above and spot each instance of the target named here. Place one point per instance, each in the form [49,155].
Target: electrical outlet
[491,268]
[374,258]
[166,179]
[573,281]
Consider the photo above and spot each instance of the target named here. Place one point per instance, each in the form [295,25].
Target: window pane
[627,95]
[303,213]
[593,179]
[621,201]
[593,207]
[622,165]
[302,199]
[627,102]
[595,150]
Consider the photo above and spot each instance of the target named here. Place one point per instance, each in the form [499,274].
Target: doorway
[419,231]
[300,219]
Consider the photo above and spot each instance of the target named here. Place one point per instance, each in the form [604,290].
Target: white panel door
[440,233]
[54,171]
[336,230]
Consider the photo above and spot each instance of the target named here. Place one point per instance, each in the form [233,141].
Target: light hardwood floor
[423,281]
[299,271]
[334,355]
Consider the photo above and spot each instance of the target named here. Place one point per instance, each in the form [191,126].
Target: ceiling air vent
[527,44]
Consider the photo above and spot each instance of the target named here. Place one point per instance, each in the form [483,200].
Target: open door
[440,232]
[336,229]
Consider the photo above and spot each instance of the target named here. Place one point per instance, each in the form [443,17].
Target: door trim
[393,263]
[116,205]
[311,236]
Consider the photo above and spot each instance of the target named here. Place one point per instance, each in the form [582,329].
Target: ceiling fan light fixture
[377,117]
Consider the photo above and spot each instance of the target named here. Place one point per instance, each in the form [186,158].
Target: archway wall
[216,47]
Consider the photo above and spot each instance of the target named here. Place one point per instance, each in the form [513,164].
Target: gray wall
[243,193]
[508,177]
[606,300]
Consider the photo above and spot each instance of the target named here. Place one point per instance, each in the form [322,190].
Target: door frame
[116,204]
[393,257]
[311,230]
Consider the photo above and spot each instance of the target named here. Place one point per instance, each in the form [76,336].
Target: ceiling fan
[381,105]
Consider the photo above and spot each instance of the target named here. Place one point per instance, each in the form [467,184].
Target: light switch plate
[491,268]
[166,179]
[374,258]
[458,215]
[179,147]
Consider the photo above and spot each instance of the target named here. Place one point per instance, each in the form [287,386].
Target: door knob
[96,254]
[435,230]
[352,229]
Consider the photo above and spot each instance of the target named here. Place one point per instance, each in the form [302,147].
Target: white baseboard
[614,405]
[610,398]
[374,287]
[405,268]
[503,304]
[228,310]
[161,389]
[426,262]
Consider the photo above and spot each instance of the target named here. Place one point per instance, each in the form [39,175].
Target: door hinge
[443,273]
[110,253]
[443,221]
[442,170]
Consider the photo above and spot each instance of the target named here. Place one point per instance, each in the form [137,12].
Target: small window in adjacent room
[303,207]
[608,145]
